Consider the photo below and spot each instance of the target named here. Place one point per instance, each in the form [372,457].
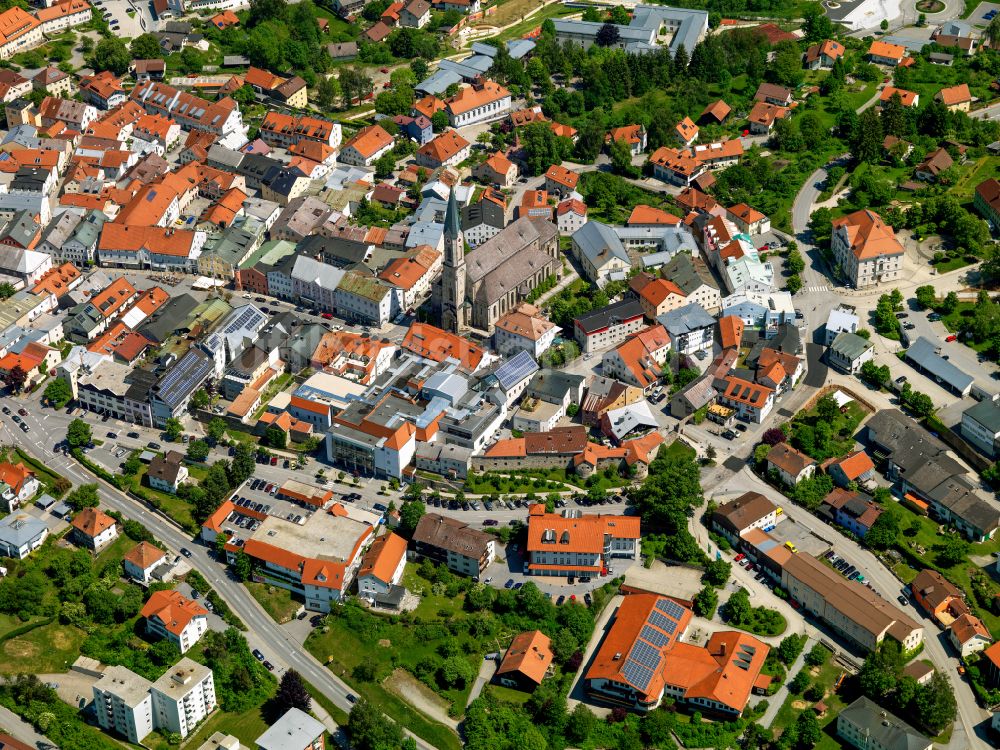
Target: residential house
[987,201]
[167,472]
[906,98]
[748,220]
[93,528]
[867,726]
[849,352]
[791,465]
[523,329]
[938,597]
[382,566]
[580,544]
[969,635]
[639,360]
[981,426]
[751,510]
[365,148]
[183,697]
[855,512]
[634,136]
[21,534]
[571,215]
[526,661]
[771,93]
[483,101]
[824,54]
[608,325]
[447,149]
[884,53]
[416,14]
[752,402]
[690,327]
[295,730]
[171,615]
[600,252]
[659,297]
[763,116]
[955,98]
[936,162]
[18,485]
[856,467]
[560,181]
[497,170]
[140,562]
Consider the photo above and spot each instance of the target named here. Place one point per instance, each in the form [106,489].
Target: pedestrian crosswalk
[823,288]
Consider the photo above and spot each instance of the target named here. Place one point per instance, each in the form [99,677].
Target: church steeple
[452,283]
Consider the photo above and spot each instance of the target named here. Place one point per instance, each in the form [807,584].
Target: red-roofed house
[634,136]
[382,566]
[141,561]
[171,615]
[639,360]
[660,296]
[498,170]
[93,528]
[969,635]
[560,181]
[855,467]
[526,661]
[17,485]
[571,214]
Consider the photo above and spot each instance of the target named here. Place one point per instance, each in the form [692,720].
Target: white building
[123,704]
[523,329]
[479,102]
[366,299]
[183,697]
[866,249]
[840,320]
[382,566]
[981,426]
[171,615]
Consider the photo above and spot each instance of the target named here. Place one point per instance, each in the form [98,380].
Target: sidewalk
[775,701]
[21,730]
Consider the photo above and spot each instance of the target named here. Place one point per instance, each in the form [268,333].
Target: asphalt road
[262,631]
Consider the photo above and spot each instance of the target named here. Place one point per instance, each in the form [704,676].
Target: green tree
[292,693]
[951,552]
[884,532]
[876,375]
[385,165]
[146,47]
[790,648]
[7,290]
[717,572]
[949,304]
[992,32]
[276,437]
[817,655]
[607,36]
[200,399]
[112,54]
[807,729]
[738,608]
[439,121]
[621,158]
[173,428]
[215,429]
[84,496]
[410,514]
[327,92]
[78,434]
[133,465]
[793,261]
[799,683]
[581,723]
[926,296]
[881,671]
[794,283]
[456,671]
[706,601]
[868,137]
[242,566]
[197,450]
[243,464]
[58,393]
[192,60]
[935,703]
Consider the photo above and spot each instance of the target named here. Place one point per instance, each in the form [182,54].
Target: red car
[327,316]
[739,557]
[274,460]
[953,337]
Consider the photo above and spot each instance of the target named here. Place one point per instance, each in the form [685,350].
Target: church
[476,290]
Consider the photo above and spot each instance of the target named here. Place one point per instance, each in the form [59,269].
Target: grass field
[555,10]
[245,727]
[826,675]
[50,648]
[277,602]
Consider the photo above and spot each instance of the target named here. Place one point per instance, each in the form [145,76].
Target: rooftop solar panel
[662,622]
[637,675]
[671,608]
[654,636]
[644,654]
[516,369]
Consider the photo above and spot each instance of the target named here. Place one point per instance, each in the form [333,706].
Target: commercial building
[573,544]
[750,510]
[644,659]
[465,550]
[643,34]
[608,325]
[981,427]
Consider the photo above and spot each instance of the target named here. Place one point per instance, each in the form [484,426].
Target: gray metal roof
[883,728]
[629,418]
[850,346]
[518,48]
[641,33]
[294,729]
[986,413]
[691,317]
[439,81]
[18,529]
[924,353]
[595,238]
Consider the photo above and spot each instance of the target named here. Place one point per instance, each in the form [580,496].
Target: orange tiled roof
[643,215]
[92,522]
[144,555]
[719,110]
[657,290]
[14,475]
[855,465]
[174,610]
[444,146]
[584,534]
[438,345]
[632,134]
[369,141]
[382,558]
[57,280]
[886,50]
[743,391]
[955,94]
[163,241]
[968,626]
[906,98]
[559,174]
[529,654]
[475,96]
[868,235]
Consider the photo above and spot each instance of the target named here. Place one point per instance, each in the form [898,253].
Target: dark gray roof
[614,313]
[553,384]
[337,251]
[986,413]
[688,273]
[483,212]
[184,378]
[169,318]
[924,353]
[884,729]
[684,320]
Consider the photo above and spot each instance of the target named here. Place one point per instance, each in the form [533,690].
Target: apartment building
[482,101]
[639,361]
[578,545]
[123,704]
[382,566]
[183,697]
[465,550]
[751,510]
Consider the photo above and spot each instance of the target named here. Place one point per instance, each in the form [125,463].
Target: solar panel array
[184,377]
[654,636]
[249,314]
[645,654]
[671,608]
[663,623]
[516,369]
[637,675]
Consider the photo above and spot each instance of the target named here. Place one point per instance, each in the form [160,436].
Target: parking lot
[788,531]
[124,18]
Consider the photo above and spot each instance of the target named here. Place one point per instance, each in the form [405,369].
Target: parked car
[952,337]
[258,655]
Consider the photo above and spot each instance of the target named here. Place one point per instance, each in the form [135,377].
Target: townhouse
[221,118]
[790,465]
[751,401]
[640,360]
[155,248]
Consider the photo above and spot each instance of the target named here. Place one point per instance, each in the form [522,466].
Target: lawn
[49,648]
[973,173]
[431,604]
[245,727]
[173,506]
[826,676]
[811,436]
[680,449]
[115,551]
[273,389]
[554,10]
[277,602]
